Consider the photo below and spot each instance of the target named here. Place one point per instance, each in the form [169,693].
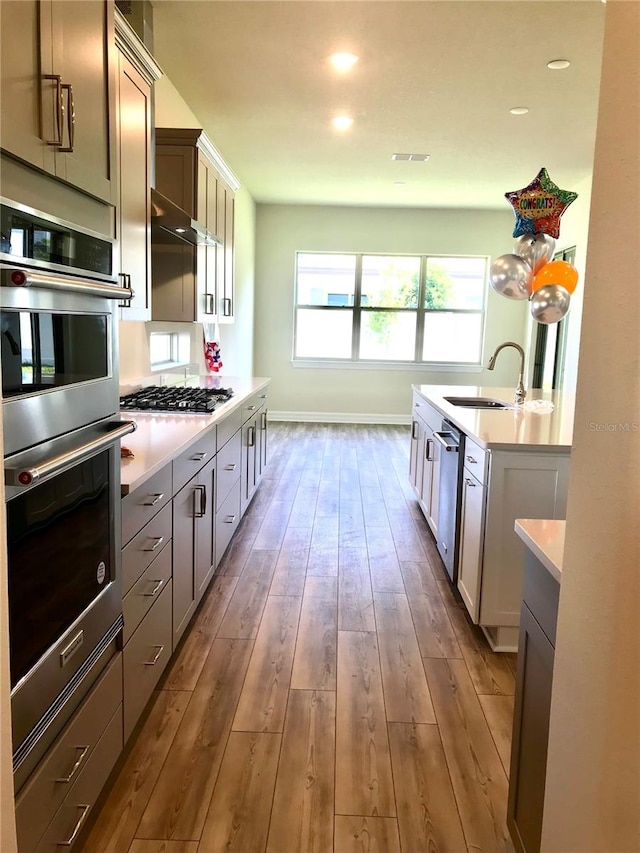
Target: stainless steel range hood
[171,224]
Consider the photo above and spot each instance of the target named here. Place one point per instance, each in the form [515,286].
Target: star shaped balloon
[539,206]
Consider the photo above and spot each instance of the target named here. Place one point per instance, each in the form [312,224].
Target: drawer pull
[263,396]
[250,408]
[76,828]
[83,754]
[199,457]
[156,499]
[471,459]
[157,542]
[230,519]
[158,586]
[469,482]
[156,658]
[231,467]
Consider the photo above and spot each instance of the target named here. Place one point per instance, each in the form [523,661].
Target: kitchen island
[515,465]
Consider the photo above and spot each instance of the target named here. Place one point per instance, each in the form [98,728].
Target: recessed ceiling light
[519,111]
[399,183]
[343,61]
[342,122]
[558,64]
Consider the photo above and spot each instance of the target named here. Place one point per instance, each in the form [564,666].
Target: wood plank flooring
[331,694]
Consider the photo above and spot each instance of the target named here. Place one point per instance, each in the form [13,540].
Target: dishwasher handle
[450,445]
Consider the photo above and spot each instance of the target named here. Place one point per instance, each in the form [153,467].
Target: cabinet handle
[250,408]
[83,754]
[58,82]
[157,497]
[156,658]
[471,459]
[263,421]
[126,284]
[199,501]
[263,396]
[157,542]
[199,457]
[251,437]
[428,457]
[71,118]
[76,829]
[414,427]
[210,307]
[226,306]
[469,482]
[230,519]
[158,586]
[231,467]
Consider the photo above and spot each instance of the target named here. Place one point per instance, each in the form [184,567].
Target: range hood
[170,224]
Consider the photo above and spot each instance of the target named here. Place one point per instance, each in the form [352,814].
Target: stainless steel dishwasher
[450,488]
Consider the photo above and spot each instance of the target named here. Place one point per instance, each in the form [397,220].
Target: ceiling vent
[414,158]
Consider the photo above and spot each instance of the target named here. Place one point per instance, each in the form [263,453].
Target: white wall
[284,229]
[236,339]
[592,799]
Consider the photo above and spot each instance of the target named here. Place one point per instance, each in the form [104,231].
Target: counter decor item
[530,273]
[212,354]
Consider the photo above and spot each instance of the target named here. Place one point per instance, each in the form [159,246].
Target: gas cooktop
[156,398]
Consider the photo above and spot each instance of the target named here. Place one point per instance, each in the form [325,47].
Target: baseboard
[338,418]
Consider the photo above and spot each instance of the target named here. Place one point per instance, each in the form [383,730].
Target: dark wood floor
[331,695]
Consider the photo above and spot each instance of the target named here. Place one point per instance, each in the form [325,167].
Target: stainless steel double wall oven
[58,336]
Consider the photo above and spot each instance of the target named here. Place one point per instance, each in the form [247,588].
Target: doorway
[551,344]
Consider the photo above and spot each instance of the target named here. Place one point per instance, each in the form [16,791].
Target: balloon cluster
[530,273]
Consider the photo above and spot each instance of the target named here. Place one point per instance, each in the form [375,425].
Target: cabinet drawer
[228,427]
[145,547]
[43,794]
[144,658]
[476,460]
[146,591]
[191,461]
[429,415]
[227,520]
[74,811]
[251,406]
[228,468]
[141,505]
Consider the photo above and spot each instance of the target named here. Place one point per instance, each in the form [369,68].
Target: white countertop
[545,539]
[160,437]
[507,429]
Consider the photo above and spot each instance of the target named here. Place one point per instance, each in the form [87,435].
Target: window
[167,349]
[400,308]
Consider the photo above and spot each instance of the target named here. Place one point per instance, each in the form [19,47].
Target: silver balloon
[550,303]
[510,276]
[536,249]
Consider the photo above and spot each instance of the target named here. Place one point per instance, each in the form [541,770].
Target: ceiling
[435,77]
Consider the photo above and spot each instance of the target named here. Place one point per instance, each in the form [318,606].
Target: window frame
[421,311]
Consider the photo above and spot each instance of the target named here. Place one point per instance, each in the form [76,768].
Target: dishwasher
[451,442]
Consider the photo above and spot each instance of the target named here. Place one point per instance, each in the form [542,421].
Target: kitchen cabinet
[137,72]
[58,80]
[529,742]
[193,533]
[254,446]
[424,459]
[471,541]
[195,283]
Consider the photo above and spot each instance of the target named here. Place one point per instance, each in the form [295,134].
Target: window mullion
[420,309]
[357,311]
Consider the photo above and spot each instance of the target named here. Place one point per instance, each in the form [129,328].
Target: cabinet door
[416,455]
[226,255]
[205,528]
[207,214]
[22,88]
[530,734]
[264,435]
[471,540]
[248,476]
[134,148]
[184,586]
[84,57]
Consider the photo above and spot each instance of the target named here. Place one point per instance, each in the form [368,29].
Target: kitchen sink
[478,403]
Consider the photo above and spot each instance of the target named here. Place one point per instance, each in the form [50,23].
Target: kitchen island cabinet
[516,465]
[58,86]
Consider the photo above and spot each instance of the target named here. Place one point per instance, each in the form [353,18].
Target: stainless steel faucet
[520,390]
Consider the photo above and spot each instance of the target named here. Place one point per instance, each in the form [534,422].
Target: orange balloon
[557,272]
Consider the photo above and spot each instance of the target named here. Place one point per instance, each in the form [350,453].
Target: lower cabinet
[529,742]
[471,542]
[424,459]
[254,448]
[55,803]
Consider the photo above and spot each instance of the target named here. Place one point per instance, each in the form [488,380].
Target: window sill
[433,367]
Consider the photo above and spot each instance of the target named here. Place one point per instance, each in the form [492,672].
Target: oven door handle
[51,281]
[27,476]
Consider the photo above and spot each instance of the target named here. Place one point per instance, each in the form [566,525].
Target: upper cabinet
[137,72]
[194,282]
[58,87]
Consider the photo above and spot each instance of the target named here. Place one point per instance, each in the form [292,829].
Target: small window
[167,349]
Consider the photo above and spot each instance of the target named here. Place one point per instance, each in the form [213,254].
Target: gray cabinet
[532,706]
[61,100]
[254,434]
